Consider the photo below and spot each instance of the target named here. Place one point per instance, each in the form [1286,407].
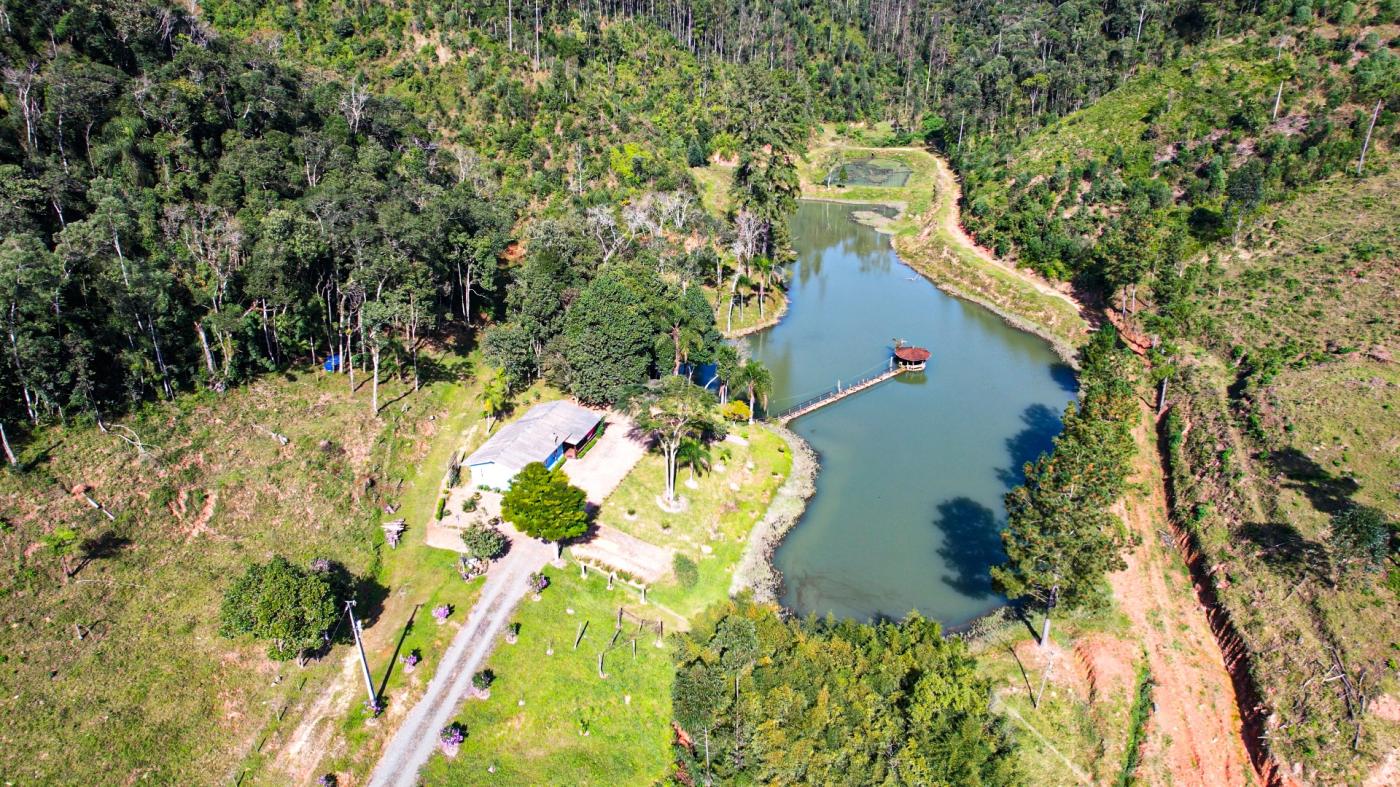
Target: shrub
[537,582]
[482,680]
[441,612]
[289,607]
[544,505]
[484,543]
[735,410]
[1361,534]
[687,573]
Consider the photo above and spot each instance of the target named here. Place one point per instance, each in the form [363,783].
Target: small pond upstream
[908,505]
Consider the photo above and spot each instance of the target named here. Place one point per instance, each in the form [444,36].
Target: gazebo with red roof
[911,358]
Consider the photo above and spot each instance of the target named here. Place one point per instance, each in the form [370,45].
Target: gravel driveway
[417,738]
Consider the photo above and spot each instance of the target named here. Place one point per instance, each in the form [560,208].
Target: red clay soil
[1197,732]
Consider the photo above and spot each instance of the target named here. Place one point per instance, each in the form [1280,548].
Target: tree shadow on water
[1064,376]
[1040,424]
[971,545]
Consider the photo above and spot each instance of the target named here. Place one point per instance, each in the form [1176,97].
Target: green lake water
[908,505]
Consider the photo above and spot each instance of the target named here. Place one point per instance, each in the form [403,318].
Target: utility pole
[364,662]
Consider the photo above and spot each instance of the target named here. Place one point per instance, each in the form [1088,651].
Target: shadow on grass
[1328,493]
[398,648]
[1287,551]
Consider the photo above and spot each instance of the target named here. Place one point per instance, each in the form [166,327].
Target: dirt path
[946,210]
[1194,736]
[417,738]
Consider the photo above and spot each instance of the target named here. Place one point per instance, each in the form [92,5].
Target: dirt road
[949,192]
[1194,735]
[417,737]
[1195,732]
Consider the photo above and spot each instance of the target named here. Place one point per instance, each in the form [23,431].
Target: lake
[908,504]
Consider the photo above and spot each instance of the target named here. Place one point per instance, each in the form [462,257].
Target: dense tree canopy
[766,700]
[542,504]
[181,209]
[290,607]
[1061,537]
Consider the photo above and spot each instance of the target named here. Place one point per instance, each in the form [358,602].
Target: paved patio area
[614,549]
[609,461]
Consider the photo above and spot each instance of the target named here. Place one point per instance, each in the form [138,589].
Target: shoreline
[1062,349]
[756,572]
[763,326]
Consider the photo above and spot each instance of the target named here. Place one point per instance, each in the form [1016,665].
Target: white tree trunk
[204,343]
[5,441]
[1365,146]
[374,385]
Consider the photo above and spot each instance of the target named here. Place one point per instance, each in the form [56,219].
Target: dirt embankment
[1197,733]
[943,252]
[1204,719]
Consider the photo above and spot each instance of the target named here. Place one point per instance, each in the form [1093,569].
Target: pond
[908,506]
[870,172]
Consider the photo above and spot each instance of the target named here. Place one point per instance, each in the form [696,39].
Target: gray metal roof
[535,436]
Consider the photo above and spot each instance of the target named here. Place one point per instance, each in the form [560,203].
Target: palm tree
[495,397]
[694,453]
[756,378]
[768,272]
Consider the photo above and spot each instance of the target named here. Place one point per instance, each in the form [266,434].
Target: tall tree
[672,410]
[544,505]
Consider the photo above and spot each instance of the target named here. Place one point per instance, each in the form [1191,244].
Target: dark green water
[909,497]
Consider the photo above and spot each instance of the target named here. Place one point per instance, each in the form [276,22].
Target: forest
[197,199]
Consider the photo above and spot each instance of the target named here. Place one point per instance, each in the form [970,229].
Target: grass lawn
[747,319]
[540,742]
[714,182]
[103,672]
[1080,726]
[420,576]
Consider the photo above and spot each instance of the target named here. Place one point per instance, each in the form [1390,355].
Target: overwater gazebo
[911,358]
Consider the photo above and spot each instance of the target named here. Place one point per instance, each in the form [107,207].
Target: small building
[911,358]
[548,434]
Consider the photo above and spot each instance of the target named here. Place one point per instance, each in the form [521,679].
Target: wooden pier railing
[835,394]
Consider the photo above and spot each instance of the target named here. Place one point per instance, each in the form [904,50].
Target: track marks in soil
[1195,733]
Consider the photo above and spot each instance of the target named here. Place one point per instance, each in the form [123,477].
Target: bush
[735,410]
[1361,534]
[484,543]
[687,573]
[482,680]
[542,504]
[287,606]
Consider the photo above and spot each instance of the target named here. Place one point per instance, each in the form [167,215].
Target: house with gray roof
[548,433]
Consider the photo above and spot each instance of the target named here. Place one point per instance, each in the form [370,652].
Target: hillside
[1214,205]
[268,268]
[112,648]
[1184,155]
[1268,450]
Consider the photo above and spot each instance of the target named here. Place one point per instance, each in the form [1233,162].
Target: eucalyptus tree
[672,410]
